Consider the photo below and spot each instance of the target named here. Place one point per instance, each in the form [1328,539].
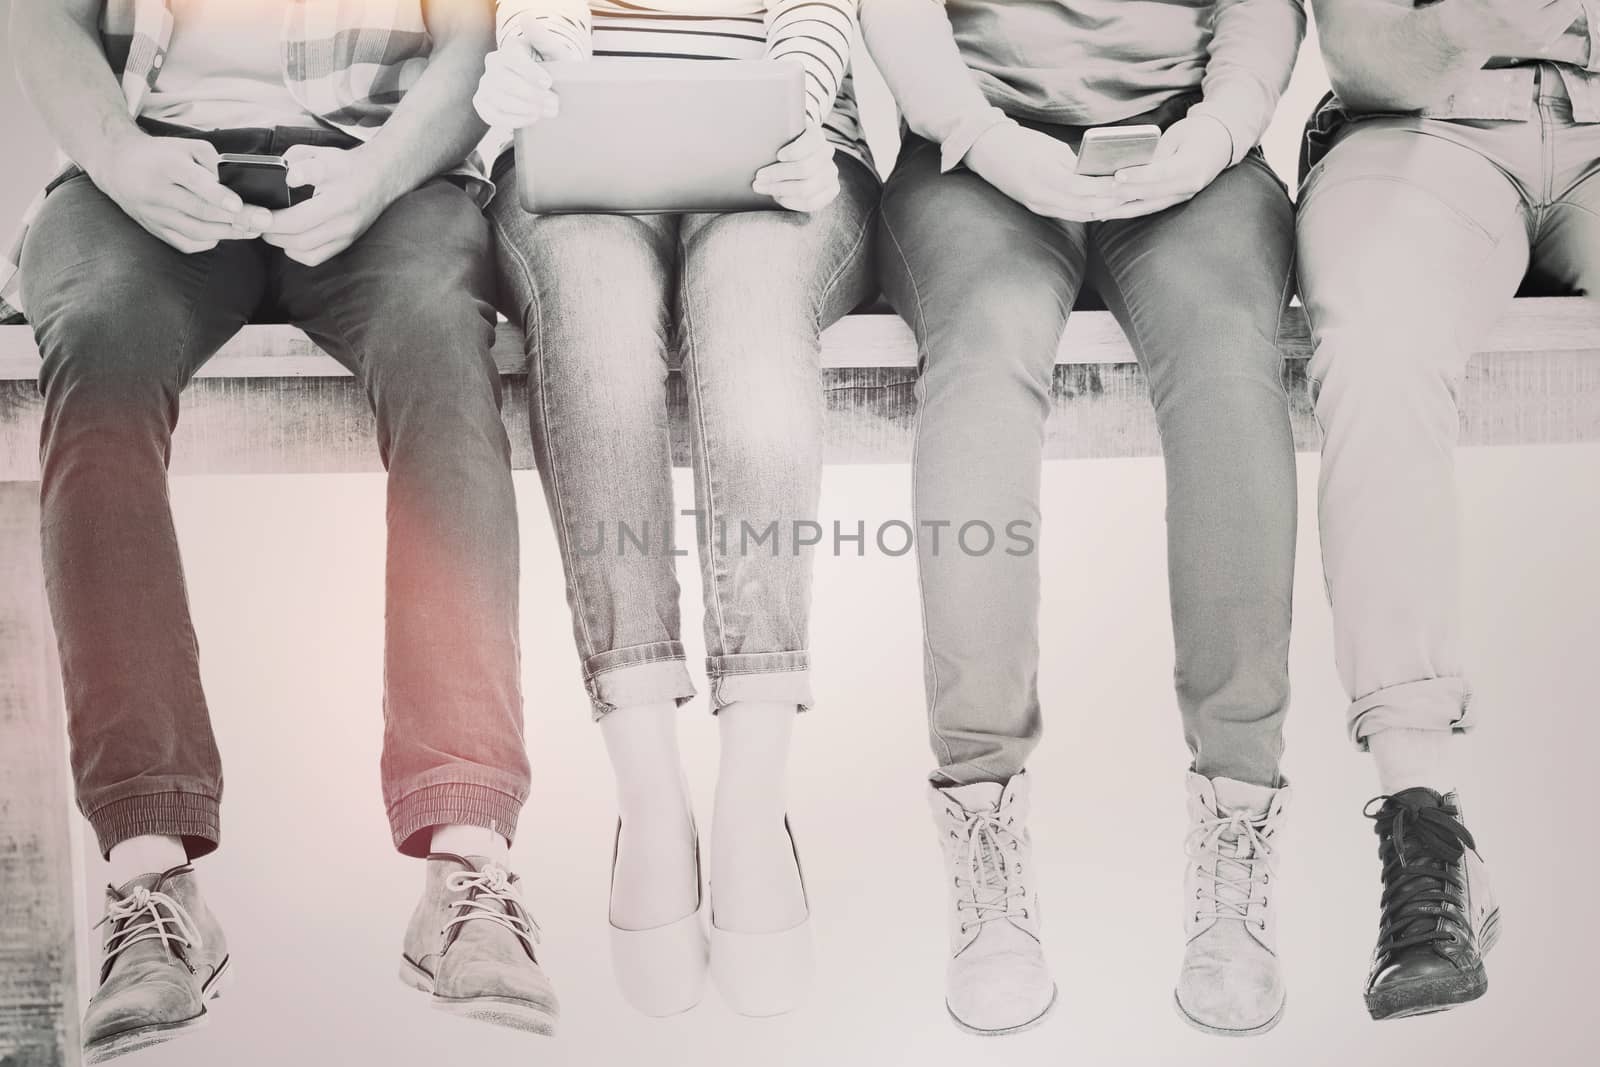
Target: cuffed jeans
[1200,288]
[604,300]
[1414,235]
[124,321]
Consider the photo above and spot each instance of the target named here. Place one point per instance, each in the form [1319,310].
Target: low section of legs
[123,321]
[607,303]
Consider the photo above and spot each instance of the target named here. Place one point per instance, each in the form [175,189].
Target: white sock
[753,874]
[657,879]
[145,854]
[466,841]
[1410,758]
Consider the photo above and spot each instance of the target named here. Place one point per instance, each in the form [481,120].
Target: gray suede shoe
[471,945]
[1231,982]
[165,957]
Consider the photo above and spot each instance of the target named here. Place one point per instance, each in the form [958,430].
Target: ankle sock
[145,854]
[460,840]
[1409,758]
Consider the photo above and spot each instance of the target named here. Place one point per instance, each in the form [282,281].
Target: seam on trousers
[536,306]
[916,441]
[709,559]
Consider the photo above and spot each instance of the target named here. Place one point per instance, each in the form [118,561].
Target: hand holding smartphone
[262,181]
[1108,149]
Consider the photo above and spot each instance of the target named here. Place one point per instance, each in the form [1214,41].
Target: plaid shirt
[348,64]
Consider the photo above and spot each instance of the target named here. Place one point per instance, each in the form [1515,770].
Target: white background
[286,580]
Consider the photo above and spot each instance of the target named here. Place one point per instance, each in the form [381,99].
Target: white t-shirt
[224,69]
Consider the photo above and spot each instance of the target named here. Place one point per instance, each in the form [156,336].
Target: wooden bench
[270,402]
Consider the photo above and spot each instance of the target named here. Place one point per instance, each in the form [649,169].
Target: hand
[515,90]
[1040,173]
[805,177]
[349,198]
[1192,152]
[1508,27]
[169,186]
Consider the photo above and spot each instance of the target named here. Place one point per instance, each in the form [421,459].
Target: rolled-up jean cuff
[768,677]
[997,769]
[195,817]
[1425,704]
[450,804]
[641,674]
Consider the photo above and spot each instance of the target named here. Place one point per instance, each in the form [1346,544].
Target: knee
[1224,358]
[106,342]
[435,384]
[1384,369]
[997,349]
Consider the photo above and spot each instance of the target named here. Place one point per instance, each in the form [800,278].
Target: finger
[176,239]
[499,81]
[513,111]
[193,229]
[202,152]
[1170,143]
[1091,187]
[186,201]
[811,142]
[517,64]
[775,174]
[302,217]
[1078,209]
[203,184]
[309,165]
[1133,209]
[1182,185]
[1164,172]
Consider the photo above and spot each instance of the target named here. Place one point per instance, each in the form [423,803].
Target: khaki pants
[1414,234]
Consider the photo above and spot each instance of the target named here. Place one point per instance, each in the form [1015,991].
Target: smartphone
[259,180]
[1108,149]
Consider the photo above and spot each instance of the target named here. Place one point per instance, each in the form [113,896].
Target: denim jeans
[1414,235]
[605,300]
[1200,288]
[124,321]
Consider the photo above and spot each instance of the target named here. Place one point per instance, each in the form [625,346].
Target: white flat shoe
[762,975]
[662,971]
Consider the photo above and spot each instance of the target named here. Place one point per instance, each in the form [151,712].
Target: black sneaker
[1439,917]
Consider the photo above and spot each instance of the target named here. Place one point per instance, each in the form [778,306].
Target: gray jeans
[1200,288]
[744,297]
[1414,235]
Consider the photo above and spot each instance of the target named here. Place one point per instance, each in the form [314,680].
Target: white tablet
[641,136]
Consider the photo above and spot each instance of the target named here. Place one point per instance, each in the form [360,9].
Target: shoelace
[1419,846]
[1246,864]
[164,920]
[991,881]
[491,896]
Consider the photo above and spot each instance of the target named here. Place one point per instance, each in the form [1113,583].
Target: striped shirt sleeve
[557,29]
[818,34]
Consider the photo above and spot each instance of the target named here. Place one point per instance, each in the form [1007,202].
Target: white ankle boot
[1231,982]
[997,981]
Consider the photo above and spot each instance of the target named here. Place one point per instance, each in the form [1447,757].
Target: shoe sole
[1430,995]
[1008,1030]
[1223,1031]
[520,1015]
[110,1048]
